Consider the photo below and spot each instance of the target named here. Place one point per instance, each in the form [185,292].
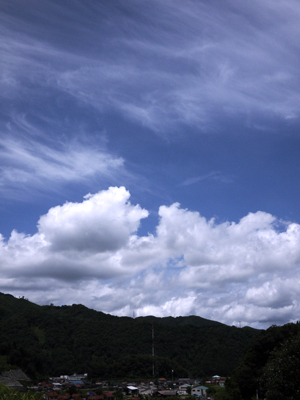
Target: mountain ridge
[54,340]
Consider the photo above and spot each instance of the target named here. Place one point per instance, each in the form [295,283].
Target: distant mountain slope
[176,321]
[60,340]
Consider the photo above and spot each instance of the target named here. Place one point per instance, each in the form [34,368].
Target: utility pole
[153,350]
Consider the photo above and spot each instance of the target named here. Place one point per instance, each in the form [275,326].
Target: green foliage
[119,395]
[218,393]
[40,334]
[4,366]
[8,394]
[51,340]
[232,389]
[179,321]
[270,366]
[281,377]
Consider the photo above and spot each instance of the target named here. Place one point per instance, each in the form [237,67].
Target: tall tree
[281,378]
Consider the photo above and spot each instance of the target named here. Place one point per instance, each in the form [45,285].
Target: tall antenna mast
[153,349]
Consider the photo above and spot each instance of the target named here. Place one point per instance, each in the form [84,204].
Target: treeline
[270,368]
[50,340]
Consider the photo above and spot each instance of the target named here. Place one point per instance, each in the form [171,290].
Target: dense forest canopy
[51,340]
[270,368]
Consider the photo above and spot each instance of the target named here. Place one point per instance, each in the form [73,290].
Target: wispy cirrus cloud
[200,62]
[196,179]
[29,165]
[83,89]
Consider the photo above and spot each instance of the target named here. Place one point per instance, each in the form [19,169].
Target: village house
[199,391]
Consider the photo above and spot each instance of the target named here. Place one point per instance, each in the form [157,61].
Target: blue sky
[149,157]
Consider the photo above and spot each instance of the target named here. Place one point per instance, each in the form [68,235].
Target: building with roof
[199,391]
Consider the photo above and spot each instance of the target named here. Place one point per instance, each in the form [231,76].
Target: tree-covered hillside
[50,340]
[270,368]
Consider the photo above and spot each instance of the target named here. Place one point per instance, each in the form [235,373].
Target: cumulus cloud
[102,222]
[90,252]
[77,240]
[161,66]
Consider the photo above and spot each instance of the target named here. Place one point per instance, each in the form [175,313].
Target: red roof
[52,394]
[108,394]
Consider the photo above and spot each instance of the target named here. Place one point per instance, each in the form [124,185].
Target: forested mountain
[51,340]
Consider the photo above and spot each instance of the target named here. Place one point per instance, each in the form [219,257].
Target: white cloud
[90,252]
[29,165]
[199,62]
[77,240]
[196,179]
[102,222]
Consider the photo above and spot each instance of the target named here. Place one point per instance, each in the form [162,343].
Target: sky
[149,157]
